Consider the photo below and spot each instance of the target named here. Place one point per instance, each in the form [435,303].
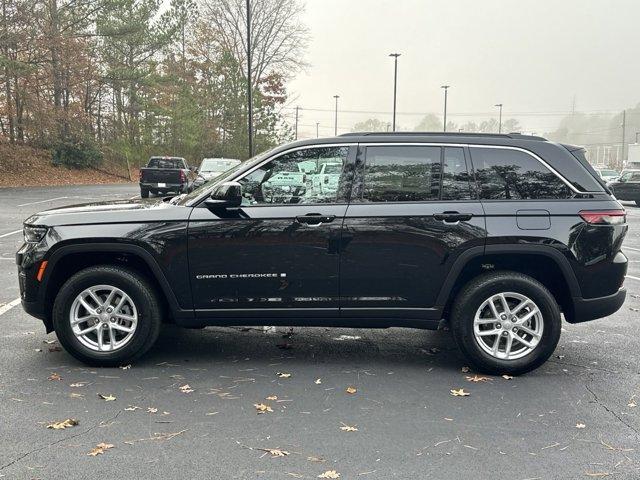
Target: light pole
[637,133]
[297,113]
[249,93]
[499,105]
[446,91]
[336,116]
[317,129]
[395,85]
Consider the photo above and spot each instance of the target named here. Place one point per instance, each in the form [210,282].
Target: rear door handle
[315,219]
[452,217]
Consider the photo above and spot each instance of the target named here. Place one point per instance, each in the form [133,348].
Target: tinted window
[217,165]
[402,174]
[296,178]
[166,163]
[511,174]
[455,175]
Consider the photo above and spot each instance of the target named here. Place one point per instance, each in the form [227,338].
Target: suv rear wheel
[106,316]
[506,322]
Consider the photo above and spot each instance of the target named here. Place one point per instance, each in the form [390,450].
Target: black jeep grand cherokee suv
[494,235]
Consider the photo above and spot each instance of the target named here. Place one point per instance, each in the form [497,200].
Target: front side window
[508,174]
[310,175]
[402,174]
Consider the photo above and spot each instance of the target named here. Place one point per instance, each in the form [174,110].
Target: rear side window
[176,163]
[402,174]
[514,175]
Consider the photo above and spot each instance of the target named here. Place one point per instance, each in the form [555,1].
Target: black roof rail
[443,134]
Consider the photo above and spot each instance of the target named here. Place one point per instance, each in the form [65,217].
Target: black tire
[469,300]
[138,289]
[144,193]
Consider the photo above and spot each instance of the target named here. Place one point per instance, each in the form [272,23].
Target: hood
[120,211]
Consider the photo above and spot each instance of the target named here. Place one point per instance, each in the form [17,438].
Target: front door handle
[315,219]
[452,217]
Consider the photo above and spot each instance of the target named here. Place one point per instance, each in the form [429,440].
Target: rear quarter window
[507,174]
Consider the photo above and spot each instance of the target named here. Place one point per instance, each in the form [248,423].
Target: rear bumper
[585,309]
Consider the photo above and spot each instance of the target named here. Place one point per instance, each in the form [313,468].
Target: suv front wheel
[106,316]
[506,322]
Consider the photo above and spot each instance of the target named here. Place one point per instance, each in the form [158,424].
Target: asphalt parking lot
[575,417]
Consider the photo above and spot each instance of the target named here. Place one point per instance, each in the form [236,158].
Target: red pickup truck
[166,174]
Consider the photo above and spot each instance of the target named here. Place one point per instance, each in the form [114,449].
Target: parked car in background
[166,174]
[212,167]
[495,236]
[606,174]
[627,187]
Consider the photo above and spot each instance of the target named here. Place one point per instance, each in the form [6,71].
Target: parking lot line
[10,233]
[5,308]
[631,248]
[42,201]
[632,277]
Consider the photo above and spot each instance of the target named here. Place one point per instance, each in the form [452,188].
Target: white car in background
[608,175]
[212,167]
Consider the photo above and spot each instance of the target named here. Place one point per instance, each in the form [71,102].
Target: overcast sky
[531,55]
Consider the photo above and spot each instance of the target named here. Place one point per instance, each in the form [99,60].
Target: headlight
[33,234]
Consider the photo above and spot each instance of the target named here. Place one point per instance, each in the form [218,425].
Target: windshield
[218,164]
[608,173]
[186,198]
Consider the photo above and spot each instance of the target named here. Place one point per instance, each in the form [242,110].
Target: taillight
[183,177]
[140,174]
[604,217]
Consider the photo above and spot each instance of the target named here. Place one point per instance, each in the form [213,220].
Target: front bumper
[585,309]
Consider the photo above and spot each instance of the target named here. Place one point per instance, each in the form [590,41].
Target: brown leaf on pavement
[283,375]
[459,393]
[107,398]
[100,449]
[275,452]
[507,377]
[580,425]
[351,390]
[263,408]
[329,474]
[271,397]
[186,388]
[55,376]
[477,378]
[131,408]
[465,369]
[69,422]
[348,428]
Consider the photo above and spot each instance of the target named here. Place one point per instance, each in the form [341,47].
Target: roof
[445,134]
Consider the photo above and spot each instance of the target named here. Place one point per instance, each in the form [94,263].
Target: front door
[278,254]
[413,212]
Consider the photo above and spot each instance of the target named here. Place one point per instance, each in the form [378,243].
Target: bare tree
[278,37]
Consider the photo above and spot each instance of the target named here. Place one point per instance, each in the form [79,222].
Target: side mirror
[227,195]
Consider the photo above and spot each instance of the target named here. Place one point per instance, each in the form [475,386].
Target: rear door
[413,212]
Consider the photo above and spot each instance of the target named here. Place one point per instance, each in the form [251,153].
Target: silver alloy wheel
[508,326]
[103,318]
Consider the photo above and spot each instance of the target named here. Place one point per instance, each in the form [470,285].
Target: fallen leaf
[507,377]
[49,342]
[69,422]
[580,425]
[152,409]
[262,408]
[76,395]
[465,369]
[76,385]
[351,390]
[55,349]
[100,449]
[283,375]
[315,459]
[271,397]
[107,398]
[459,393]
[632,404]
[131,408]
[318,381]
[38,349]
[329,474]
[348,428]
[55,376]
[186,389]
[476,379]
[125,367]
[275,452]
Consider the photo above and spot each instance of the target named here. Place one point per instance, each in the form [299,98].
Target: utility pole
[249,89]
[499,105]
[624,128]
[637,133]
[317,129]
[297,110]
[336,116]
[446,89]
[395,85]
